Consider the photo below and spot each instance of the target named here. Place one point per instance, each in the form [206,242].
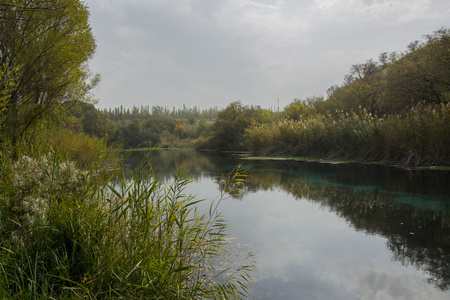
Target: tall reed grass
[67,234]
[420,137]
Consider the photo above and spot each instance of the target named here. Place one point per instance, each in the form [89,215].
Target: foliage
[67,230]
[180,131]
[6,87]
[399,81]
[37,180]
[301,109]
[84,117]
[422,75]
[85,150]
[144,112]
[229,127]
[44,46]
[361,88]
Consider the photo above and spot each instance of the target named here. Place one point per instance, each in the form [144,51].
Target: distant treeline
[395,109]
[141,126]
[145,111]
[147,126]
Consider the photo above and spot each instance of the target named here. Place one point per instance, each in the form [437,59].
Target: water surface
[322,231]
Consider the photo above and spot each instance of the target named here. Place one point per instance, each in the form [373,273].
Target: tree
[399,81]
[294,110]
[133,133]
[230,125]
[46,46]
[423,73]
[201,128]
[180,131]
[303,109]
[361,89]
[90,120]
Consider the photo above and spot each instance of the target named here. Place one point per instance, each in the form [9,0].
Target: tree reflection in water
[409,208]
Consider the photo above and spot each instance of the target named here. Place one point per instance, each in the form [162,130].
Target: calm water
[321,231]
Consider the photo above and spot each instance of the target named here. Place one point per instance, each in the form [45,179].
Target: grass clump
[67,233]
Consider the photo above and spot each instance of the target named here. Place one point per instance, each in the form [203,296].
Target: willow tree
[44,48]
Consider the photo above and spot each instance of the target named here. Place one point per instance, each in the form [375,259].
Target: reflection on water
[326,231]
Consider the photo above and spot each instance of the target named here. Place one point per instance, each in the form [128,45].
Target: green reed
[99,238]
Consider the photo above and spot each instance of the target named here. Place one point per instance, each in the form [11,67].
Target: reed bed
[420,137]
[72,234]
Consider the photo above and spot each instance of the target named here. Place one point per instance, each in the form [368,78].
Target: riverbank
[247,155]
[345,161]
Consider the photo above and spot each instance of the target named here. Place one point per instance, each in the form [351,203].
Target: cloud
[154,52]
[373,8]
[423,11]
[334,7]
[204,44]
[266,30]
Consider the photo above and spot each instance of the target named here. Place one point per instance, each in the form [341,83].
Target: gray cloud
[209,53]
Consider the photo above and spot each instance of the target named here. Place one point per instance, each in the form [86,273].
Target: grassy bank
[419,138]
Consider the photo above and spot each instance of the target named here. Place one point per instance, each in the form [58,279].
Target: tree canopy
[44,49]
[398,81]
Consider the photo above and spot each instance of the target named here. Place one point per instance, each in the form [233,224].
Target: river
[328,231]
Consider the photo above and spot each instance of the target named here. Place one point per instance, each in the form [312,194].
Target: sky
[209,53]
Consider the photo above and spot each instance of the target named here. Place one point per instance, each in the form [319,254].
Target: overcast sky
[208,53]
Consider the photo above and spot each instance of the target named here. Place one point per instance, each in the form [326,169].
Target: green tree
[422,74]
[399,81]
[230,125]
[133,133]
[201,128]
[361,89]
[265,116]
[294,110]
[90,120]
[46,46]
[303,109]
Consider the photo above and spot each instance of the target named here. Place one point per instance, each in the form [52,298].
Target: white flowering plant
[36,182]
